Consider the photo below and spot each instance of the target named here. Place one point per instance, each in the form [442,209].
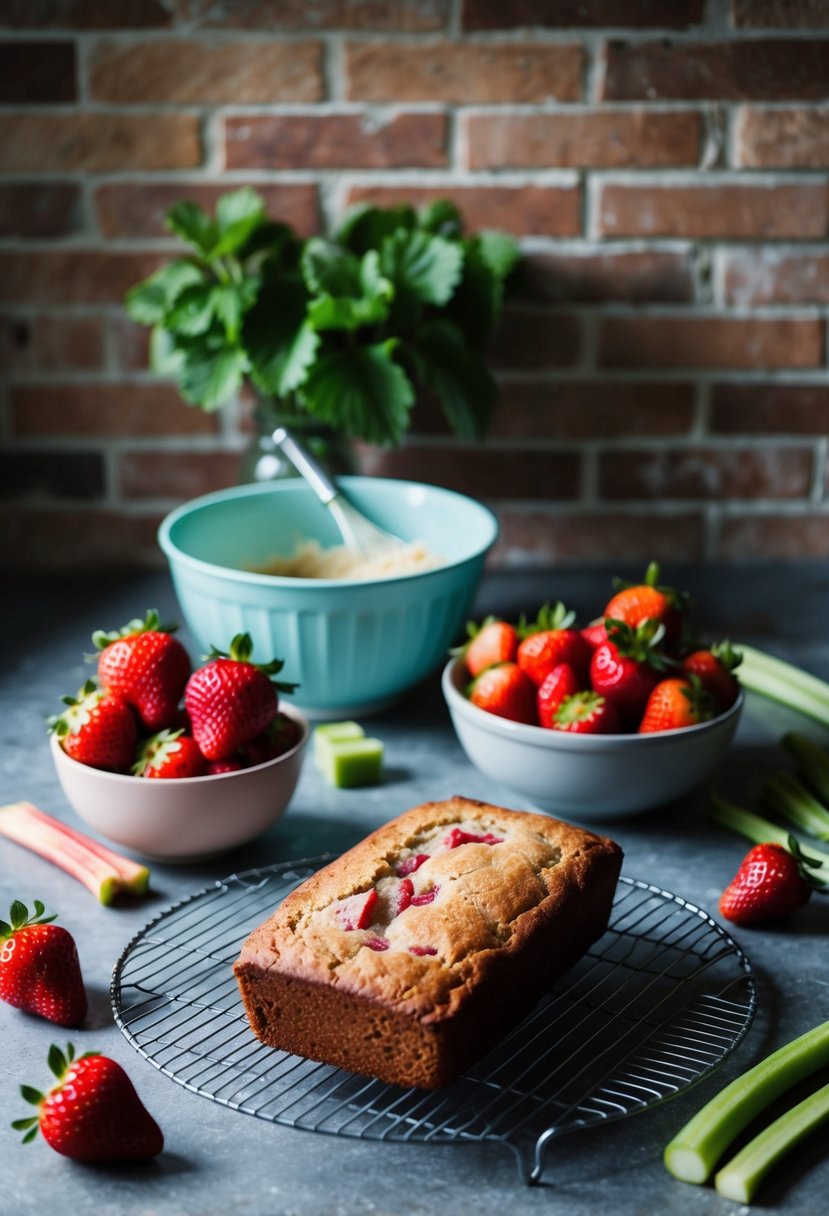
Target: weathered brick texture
[661,364]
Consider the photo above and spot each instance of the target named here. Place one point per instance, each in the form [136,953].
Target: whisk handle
[304,462]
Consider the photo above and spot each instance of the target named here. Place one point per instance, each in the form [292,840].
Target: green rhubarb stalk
[105,873]
[761,831]
[811,760]
[784,682]
[740,1178]
[698,1146]
[788,797]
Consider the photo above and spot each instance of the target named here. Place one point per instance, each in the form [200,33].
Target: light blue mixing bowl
[352,646]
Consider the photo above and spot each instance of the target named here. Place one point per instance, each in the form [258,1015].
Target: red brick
[83,538]
[787,537]
[216,73]
[130,343]
[769,277]
[722,210]
[765,69]
[104,410]
[565,14]
[482,471]
[695,341]
[790,138]
[464,72]
[50,343]
[70,276]
[335,141]
[532,537]
[33,73]
[770,409]
[612,139]
[521,210]
[97,143]
[85,14]
[137,208]
[707,473]
[574,410]
[532,338]
[407,16]
[780,14]
[598,277]
[174,475]
[39,209]
[55,473]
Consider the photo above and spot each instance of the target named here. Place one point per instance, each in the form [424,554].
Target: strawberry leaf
[444,364]
[150,300]
[209,376]
[362,389]
[29,1094]
[420,265]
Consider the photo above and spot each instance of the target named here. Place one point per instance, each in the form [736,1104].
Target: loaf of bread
[410,955]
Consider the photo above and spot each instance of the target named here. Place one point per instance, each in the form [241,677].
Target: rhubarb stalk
[784,682]
[762,831]
[105,873]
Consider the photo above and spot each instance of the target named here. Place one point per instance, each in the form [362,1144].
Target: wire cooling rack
[656,1004]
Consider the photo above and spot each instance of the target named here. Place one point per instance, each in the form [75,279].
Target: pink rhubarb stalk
[105,873]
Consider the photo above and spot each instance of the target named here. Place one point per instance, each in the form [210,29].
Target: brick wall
[663,364]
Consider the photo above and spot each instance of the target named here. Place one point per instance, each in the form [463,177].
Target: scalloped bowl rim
[263,489]
[566,741]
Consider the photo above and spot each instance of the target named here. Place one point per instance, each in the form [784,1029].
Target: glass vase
[264,461]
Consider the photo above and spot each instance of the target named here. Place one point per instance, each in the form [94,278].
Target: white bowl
[594,777]
[182,819]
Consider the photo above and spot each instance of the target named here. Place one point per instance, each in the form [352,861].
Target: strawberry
[595,633]
[675,703]
[356,911]
[586,713]
[626,667]
[97,728]
[714,668]
[560,683]
[279,737]
[551,640]
[39,968]
[634,603]
[147,666]
[770,884]
[493,641]
[232,700]
[170,753]
[506,691]
[93,1113]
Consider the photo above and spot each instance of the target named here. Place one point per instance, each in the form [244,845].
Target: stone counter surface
[218,1161]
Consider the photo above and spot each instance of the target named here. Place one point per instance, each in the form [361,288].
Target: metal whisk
[357,531]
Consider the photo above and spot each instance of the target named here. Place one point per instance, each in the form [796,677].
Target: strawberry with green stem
[493,641]
[170,754]
[147,666]
[635,603]
[586,713]
[40,972]
[97,728]
[551,639]
[560,683]
[771,883]
[93,1113]
[714,666]
[231,700]
[626,668]
[676,702]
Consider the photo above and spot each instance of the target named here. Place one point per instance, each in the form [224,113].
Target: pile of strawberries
[631,670]
[151,714]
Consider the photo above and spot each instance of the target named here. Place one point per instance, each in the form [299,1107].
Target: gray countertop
[217,1160]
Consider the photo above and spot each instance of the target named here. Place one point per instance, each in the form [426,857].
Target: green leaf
[230,301]
[499,252]
[362,390]
[424,266]
[445,364]
[208,377]
[280,342]
[366,227]
[441,217]
[193,311]
[58,1061]
[165,357]
[22,1125]
[244,206]
[34,1096]
[148,302]
[190,222]
[365,304]
[330,269]
[19,914]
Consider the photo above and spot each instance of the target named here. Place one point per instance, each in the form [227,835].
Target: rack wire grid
[650,1009]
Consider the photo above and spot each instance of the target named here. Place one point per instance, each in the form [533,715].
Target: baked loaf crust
[411,954]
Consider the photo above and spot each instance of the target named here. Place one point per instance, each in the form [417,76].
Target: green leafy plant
[346,328]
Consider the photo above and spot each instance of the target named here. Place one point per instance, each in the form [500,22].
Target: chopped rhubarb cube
[457,837]
[425,897]
[410,864]
[421,950]
[378,943]
[403,895]
[355,911]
